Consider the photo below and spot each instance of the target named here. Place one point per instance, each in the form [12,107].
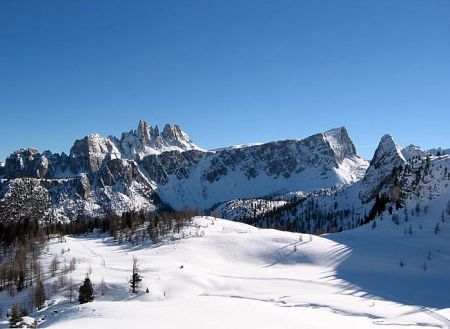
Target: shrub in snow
[16,315]
[437,228]
[86,292]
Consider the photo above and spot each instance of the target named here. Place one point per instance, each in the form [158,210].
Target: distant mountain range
[146,169]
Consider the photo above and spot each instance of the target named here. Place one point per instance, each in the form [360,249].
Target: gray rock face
[275,159]
[340,143]
[90,153]
[146,140]
[387,157]
[30,163]
[173,163]
[83,187]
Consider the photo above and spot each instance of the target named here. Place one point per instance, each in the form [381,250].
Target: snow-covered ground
[225,274]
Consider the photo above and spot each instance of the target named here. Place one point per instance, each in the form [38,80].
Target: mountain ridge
[144,167]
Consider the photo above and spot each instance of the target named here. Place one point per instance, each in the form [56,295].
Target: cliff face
[387,157]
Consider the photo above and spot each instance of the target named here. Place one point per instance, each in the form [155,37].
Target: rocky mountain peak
[387,156]
[173,135]
[146,140]
[387,148]
[340,142]
[89,153]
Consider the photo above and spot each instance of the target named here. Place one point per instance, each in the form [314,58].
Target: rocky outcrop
[30,163]
[146,140]
[387,158]
[88,155]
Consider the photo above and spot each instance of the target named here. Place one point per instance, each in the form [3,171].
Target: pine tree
[135,277]
[86,292]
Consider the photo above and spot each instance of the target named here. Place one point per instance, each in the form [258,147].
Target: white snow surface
[238,276]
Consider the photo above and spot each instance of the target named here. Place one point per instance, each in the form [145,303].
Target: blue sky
[228,72]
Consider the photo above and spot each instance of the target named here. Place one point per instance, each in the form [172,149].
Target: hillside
[224,274]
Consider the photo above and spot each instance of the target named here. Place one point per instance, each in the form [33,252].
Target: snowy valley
[224,274]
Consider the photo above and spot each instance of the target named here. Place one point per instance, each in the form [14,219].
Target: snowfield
[224,274]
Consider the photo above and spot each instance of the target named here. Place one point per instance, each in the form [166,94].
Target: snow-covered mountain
[335,189]
[391,182]
[102,175]
[203,179]
[411,151]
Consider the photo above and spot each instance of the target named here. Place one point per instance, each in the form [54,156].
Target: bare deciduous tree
[54,265]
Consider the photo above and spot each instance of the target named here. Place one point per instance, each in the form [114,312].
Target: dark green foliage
[136,278]
[86,292]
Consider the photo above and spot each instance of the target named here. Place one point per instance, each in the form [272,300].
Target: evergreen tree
[86,292]
[136,278]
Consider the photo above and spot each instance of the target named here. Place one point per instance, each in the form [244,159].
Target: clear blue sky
[228,72]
